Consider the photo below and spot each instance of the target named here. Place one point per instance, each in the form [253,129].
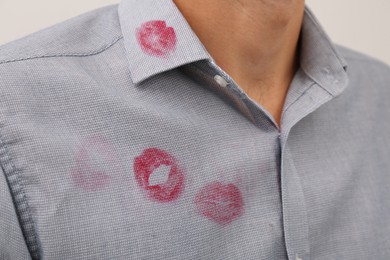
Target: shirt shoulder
[356,58]
[368,76]
[86,34]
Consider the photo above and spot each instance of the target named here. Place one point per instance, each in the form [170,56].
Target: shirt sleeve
[12,242]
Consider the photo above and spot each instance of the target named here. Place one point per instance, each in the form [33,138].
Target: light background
[363,25]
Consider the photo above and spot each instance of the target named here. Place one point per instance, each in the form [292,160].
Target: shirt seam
[20,201]
[300,96]
[75,54]
[318,83]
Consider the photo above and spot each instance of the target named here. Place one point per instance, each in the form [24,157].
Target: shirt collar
[158,38]
[319,58]
[175,47]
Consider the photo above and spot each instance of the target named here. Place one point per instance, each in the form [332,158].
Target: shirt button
[220,80]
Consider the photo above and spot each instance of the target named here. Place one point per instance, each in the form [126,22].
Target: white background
[363,25]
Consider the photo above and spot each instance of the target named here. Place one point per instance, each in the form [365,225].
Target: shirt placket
[304,97]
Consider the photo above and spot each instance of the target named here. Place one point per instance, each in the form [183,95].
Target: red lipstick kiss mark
[147,163]
[220,203]
[155,38]
[84,175]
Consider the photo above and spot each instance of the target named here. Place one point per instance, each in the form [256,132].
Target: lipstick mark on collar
[156,39]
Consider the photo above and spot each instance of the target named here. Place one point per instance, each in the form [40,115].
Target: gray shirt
[121,138]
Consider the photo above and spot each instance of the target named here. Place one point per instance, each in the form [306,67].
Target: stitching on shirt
[299,97]
[67,54]
[315,82]
[20,202]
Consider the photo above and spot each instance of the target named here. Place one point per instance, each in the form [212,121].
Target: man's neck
[254,41]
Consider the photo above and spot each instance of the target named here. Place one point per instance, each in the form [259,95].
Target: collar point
[336,84]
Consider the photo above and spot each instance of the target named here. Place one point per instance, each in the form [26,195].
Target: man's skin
[254,41]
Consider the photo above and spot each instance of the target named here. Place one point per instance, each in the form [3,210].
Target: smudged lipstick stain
[221,203]
[84,174]
[156,39]
[144,166]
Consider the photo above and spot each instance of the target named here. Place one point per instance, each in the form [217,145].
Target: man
[183,129]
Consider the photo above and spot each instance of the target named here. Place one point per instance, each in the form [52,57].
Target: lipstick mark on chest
[221,203]
[84,174]
[168,184]
[155,38]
